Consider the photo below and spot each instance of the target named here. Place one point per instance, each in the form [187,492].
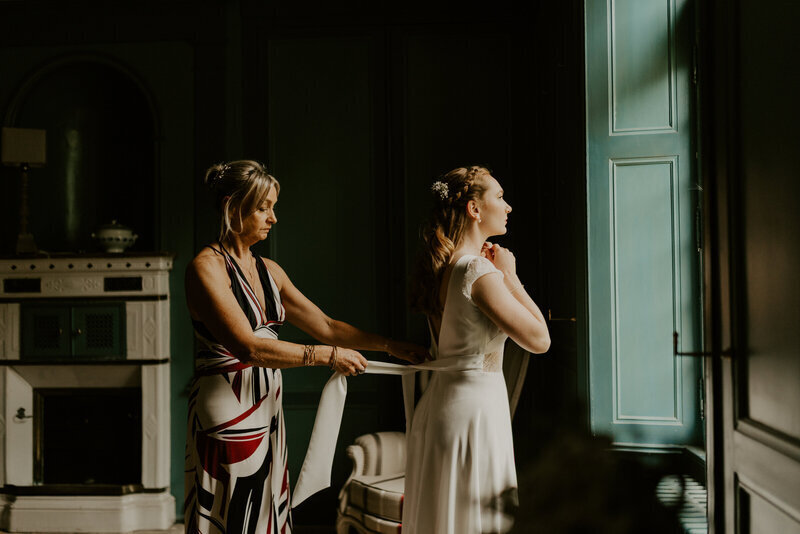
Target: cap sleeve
[477,267]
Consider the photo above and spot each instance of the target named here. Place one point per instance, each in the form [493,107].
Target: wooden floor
[177,528]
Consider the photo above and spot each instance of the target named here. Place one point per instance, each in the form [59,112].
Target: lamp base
[26,244]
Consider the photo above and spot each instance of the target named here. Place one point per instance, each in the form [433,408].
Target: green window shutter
[642,196]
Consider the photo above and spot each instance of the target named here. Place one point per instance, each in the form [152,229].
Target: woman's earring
[479,219]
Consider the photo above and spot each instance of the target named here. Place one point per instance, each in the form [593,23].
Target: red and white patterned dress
[236,476]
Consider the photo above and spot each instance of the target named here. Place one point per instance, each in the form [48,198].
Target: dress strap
[242,290]
[434,341]
[215,250]
[272,302]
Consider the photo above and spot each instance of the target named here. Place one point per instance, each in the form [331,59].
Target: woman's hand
[501,257]
[410,352]
[486,251]
[504,260]
[348,362]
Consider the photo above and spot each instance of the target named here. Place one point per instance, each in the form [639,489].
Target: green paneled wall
[457,112]
[322,149]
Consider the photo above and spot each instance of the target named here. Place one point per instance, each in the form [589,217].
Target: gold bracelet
[309,355]
[334,356]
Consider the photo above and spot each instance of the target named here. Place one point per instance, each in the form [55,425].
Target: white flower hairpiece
[441,189]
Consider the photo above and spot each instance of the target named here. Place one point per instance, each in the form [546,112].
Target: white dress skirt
[460,457]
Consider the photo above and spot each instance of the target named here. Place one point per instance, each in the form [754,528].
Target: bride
[460,461]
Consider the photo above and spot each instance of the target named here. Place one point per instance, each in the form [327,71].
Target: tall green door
[643,253]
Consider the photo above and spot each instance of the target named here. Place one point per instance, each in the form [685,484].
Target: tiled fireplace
[84,394]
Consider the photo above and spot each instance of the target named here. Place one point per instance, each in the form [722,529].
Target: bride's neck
[471,243]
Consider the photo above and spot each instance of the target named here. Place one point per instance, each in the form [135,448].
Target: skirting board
[125,513]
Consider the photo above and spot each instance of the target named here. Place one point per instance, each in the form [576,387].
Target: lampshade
[23,146]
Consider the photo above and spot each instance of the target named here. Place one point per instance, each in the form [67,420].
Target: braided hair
[443,232]
[239,188]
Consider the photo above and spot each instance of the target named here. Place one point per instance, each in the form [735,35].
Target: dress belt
[315,475]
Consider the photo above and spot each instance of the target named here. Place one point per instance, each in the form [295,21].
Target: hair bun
[215,174]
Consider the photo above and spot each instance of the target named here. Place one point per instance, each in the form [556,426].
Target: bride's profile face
[494,209]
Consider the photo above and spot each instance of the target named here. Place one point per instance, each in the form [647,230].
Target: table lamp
[24,148]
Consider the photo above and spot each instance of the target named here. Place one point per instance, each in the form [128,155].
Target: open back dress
[460,469]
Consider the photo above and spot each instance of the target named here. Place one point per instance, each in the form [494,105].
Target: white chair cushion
[378,495]
[373,523]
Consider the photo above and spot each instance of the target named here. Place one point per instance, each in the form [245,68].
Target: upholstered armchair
[371,500]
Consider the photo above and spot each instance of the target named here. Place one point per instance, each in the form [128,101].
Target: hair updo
[239,188]
[443,232]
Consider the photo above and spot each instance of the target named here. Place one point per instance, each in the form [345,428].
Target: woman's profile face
[493,208]
[258,224]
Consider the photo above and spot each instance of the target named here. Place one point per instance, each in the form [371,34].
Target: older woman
[237,478]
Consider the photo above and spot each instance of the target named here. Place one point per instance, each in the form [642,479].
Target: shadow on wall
[575,484]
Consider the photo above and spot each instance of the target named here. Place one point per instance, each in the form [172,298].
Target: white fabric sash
[315,475]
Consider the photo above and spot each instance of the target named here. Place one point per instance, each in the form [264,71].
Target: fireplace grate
[88,436]
[99,331]
[48,331]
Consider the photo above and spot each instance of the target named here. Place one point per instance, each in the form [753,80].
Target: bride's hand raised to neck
[503,259]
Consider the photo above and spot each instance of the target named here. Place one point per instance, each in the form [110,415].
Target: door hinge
[701,390]
[698,229]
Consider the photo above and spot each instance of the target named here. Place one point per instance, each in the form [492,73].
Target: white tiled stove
[142,283]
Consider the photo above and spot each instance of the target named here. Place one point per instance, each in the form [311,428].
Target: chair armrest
[356,455]
[384,453]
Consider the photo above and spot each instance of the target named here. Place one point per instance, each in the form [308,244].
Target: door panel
[643,71]
[752,119]
[760,515]
[642,196]
[644,251]
[770,228]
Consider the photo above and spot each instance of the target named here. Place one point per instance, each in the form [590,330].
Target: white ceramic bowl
[114,237]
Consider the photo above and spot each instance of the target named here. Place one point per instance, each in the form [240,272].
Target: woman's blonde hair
[443,232]
[239,188]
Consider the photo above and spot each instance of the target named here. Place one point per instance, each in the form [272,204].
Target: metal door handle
[21,414]
[551,318]
[78,331]
[727,353]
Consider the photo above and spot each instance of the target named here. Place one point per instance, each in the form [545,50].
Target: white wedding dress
[460,455]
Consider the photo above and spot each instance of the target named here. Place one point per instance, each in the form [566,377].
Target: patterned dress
[236,476]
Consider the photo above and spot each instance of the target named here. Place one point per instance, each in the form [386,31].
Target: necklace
[248,268]
[251,272]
